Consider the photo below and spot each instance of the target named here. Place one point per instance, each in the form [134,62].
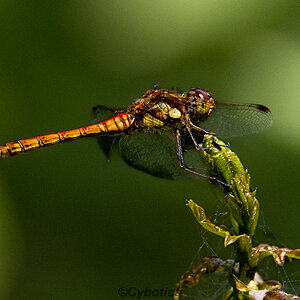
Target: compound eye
[201,94]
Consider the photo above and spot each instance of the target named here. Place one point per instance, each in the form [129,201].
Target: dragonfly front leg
[188,168]
[195,141]
[188,125]
[192,137]
[196,128]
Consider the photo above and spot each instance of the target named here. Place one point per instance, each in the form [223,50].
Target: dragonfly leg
[200,129]
[188,127]
[188,168]
[195,142]
[192,137]
[196,128]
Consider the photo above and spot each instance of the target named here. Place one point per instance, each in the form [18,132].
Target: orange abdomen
[113,125]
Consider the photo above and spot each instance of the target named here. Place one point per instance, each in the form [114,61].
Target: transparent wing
[234,119]
[102,112]
[155,153]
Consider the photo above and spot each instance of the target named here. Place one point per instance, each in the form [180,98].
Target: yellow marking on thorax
[149,121]
[174,113]
[167,110]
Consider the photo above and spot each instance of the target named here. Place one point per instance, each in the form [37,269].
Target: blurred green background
[73,226]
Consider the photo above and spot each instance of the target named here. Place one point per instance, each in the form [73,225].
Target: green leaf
[278,254]
[200,215]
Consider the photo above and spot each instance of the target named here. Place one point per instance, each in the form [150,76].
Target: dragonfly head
[201,102]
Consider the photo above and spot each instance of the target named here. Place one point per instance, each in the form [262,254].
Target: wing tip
[262,108]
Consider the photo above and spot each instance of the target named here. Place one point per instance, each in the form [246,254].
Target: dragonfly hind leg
[188,168]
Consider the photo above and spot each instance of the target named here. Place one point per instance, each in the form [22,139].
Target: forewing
[233,119]
[155,153]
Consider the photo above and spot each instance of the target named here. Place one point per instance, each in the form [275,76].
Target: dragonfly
[157,129]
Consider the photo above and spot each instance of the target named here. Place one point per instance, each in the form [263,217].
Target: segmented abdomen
[116,124]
